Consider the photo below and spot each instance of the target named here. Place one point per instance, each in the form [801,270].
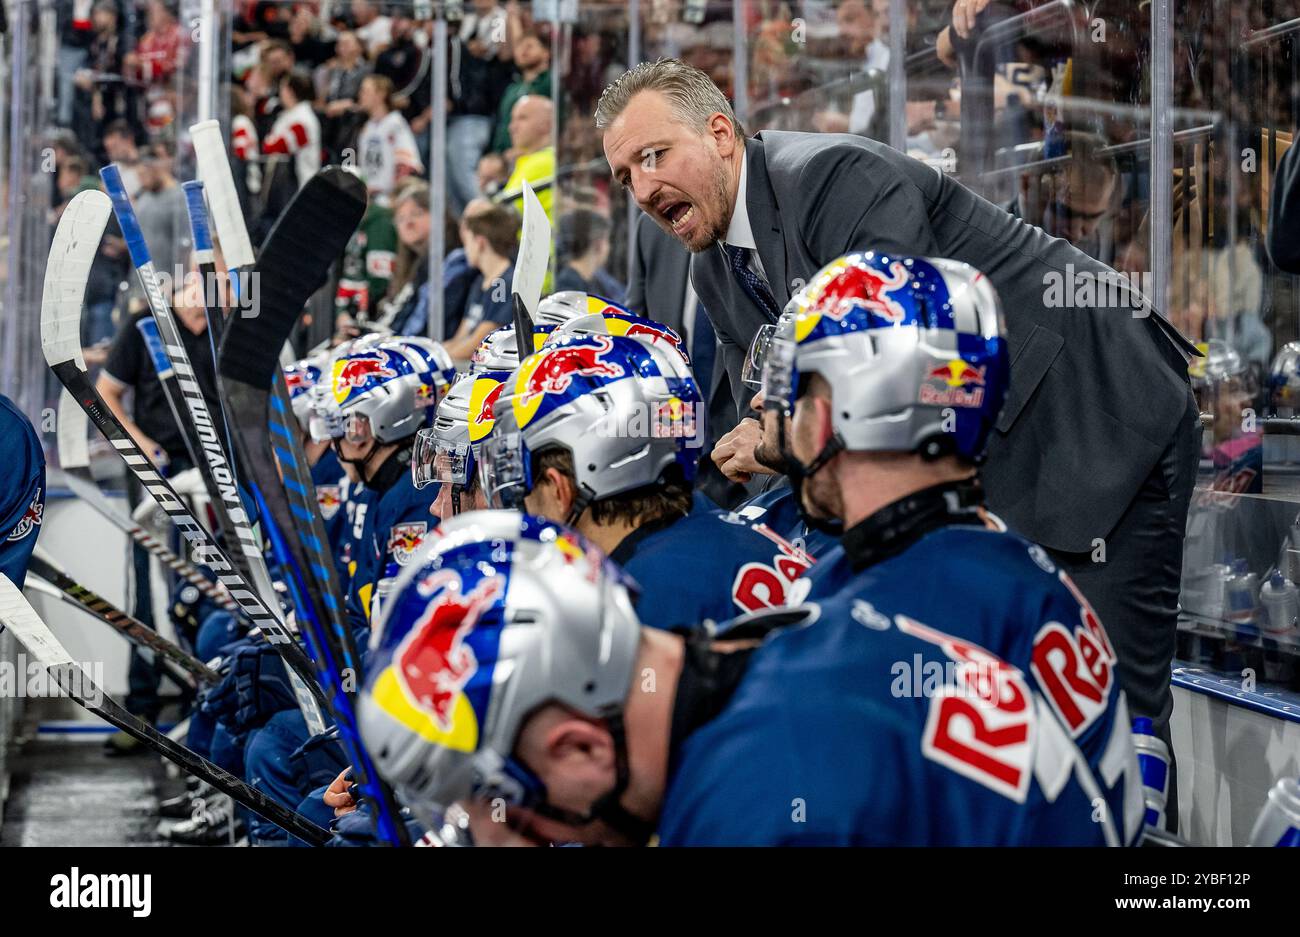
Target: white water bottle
[1281,602]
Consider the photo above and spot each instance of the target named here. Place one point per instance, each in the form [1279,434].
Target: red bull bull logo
[484,414]
[405,539]
[298,382]
[433,663]
[955,384]
[859,286]
[357,371]
[328,500]
[554,372]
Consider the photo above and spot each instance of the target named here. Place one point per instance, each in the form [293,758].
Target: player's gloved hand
[262,685]
[358,829]
[222,700]
[319,759]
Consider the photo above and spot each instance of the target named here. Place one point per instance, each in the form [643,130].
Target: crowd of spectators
[351,81]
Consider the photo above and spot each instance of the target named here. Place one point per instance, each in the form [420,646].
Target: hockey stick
[205,255]
[185,668]
[76,241]
[213,462]
[530,270]
[33,634]
[74,460]
[294,263]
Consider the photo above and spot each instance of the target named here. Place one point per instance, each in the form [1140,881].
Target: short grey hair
[691,93]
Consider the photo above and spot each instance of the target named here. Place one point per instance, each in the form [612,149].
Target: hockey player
[333,485]
[22,491]
[447,453]
[602,432]
[602,731]
[384,395]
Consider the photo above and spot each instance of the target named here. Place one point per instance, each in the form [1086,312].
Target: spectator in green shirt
[533,59]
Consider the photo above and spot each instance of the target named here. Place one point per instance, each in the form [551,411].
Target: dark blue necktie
[751,282]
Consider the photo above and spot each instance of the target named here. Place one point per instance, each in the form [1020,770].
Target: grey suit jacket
[1096,393]
[660,266]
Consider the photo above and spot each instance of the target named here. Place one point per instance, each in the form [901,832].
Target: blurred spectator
[492,173]
[259,20]
[158,53]
[296,131]
[244,142]
[367,269]
[338,84]
[480,72]
[532,152]
[275,61]
[457,277]
[309,47]
[160,207]
[120,148]
[592,67]
[490,235]
[406,308]
[533,59]
[76,31]
[1236,297]
[372,29]
[407,63]
[584,249]
[386,148]
[1071,200]
[101,96]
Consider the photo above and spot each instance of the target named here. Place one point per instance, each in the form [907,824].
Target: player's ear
[562,485]
[582,749]
[824,427]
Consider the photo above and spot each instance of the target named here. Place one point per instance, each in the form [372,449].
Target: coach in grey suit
[1095,450]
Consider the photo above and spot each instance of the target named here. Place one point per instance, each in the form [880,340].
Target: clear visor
[325,426]
[777,386]
[356,429]
[751,375]
[433,460]
[501,471]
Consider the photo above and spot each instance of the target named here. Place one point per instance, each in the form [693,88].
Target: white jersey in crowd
[385,146]
[296,133]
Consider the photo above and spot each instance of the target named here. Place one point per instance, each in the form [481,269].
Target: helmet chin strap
[799,473]
[606,808]
[359,464]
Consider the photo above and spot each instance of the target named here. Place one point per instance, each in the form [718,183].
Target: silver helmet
[386,392]
[1284,380]
[301,378]
[501,614]
[446,451]
[911,347]
[497,352]
[626,410]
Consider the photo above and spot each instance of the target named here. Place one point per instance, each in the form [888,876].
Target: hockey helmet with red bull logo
[446,452]
[627,410]
[300,377]
[913,350]
[615,320]
[501,614]
[497,352]
[386,392]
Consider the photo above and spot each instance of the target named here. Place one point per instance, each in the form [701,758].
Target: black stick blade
[308,238]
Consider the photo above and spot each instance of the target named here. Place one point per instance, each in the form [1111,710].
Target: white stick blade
[76,242]
[534,253]
[223,201]
[17,614]
[74,448]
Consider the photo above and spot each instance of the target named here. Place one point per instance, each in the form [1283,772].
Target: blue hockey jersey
[961,692]
[394,525]
[708,565]
[777,509]
[22,491]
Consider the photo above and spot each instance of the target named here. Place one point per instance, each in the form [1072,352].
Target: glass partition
[1048,108]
